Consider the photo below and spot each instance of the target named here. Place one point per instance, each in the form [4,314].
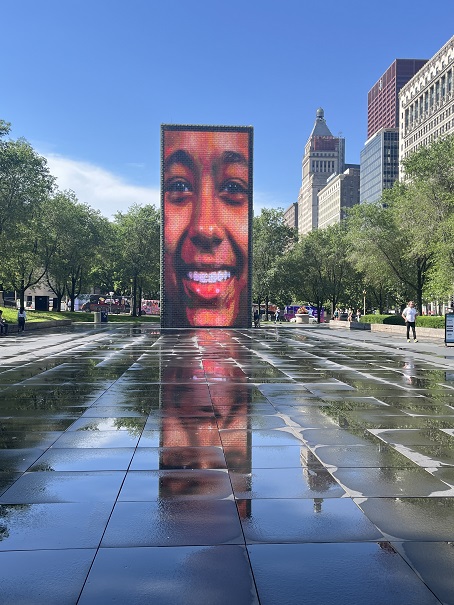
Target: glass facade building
[379,160]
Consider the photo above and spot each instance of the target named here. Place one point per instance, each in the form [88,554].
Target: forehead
[206,143]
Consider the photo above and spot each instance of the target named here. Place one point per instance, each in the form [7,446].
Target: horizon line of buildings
[410,106]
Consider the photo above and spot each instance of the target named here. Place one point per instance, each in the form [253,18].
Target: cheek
[175,223]
[239,230]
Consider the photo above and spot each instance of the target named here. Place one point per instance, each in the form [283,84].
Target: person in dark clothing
[21,317]
[3,324]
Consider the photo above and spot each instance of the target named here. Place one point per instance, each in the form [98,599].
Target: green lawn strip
[77,316]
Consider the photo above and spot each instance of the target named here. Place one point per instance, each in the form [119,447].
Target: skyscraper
[379,160]
[340,192]
[380,155]
[324,155]
[427,103]
[383,97]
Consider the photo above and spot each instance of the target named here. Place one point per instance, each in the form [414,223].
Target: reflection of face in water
[193,413]
[206,227]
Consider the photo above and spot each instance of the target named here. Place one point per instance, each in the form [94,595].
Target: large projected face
[206,209]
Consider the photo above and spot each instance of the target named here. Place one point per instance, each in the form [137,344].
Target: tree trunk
[134,296]
[22,293]
[140,300]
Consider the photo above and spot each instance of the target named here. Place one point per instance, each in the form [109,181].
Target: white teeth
[208,277]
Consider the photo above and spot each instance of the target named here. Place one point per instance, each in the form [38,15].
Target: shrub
[431,321]
[395,320]
[423,321]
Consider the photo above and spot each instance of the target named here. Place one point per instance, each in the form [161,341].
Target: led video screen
[206,203]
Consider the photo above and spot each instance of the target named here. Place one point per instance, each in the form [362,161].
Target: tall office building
[324,155]
[427,103]
[379,158]
[291,216]
[340,192]
[383,97]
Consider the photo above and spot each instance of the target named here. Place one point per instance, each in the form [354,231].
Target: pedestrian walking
[3,324]
[277,315]
[409,316]
[21,318]
[256,319]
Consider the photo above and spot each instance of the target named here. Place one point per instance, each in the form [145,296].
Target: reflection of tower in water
[315,473]
[201,396]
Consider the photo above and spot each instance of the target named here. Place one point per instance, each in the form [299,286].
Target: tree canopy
[399,248]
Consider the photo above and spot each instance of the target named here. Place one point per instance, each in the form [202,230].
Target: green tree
[382,232]
[138,237]
[25,182]
[5,128]
[25,186]
[429,201]
[76,231]
[104,271]
[378,279]
[340,276]
[24,264]
[272,237]
[318,268]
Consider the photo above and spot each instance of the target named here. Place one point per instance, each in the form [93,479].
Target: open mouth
[207,284]
[208,277]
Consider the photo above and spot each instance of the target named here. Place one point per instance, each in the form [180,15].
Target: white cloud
[97,187]
[109,193]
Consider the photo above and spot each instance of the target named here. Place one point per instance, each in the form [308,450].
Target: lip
[207,283]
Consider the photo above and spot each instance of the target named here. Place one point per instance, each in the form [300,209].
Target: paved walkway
[281,465]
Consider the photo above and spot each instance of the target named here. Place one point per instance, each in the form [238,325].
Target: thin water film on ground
[223,466]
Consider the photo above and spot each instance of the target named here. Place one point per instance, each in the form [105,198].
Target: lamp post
[364,302]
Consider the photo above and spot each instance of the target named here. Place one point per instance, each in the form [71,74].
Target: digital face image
[207,209]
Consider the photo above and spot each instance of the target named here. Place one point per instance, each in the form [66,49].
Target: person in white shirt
[409,315]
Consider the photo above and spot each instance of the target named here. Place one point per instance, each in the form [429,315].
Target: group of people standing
[21,319]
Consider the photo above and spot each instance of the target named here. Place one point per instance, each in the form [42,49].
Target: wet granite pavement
[279,465]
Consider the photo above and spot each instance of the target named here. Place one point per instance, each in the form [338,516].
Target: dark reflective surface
[282,465]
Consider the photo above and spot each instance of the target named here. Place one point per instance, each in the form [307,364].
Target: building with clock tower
[324,155]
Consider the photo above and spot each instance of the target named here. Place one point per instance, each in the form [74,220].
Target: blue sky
[88,82]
